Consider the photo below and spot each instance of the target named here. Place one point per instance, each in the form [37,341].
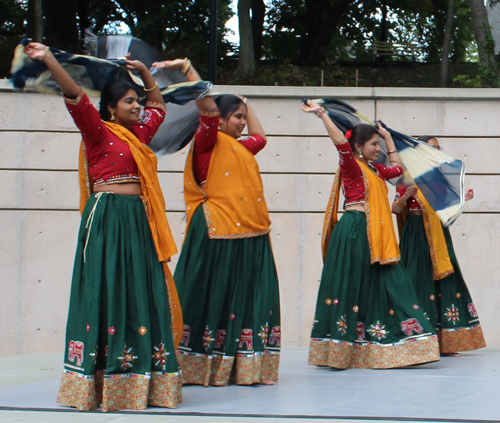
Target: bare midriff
[125,188]
[358,207]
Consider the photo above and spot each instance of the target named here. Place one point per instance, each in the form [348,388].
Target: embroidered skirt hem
[117,392]
[343,355]
[220,370]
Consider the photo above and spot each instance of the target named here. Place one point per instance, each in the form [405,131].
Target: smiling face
[127,110]
[235,123]
[371,148]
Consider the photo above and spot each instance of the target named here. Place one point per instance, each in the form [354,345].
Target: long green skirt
[119,347]
[447,301]
[367,315]
[229,296]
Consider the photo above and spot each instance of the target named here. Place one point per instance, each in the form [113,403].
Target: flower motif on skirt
[342,324]
[127,358]
[452,314]
[378,330]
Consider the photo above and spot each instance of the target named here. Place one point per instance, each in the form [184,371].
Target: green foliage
[465,81]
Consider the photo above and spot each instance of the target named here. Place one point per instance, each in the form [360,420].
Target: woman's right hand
[35,51]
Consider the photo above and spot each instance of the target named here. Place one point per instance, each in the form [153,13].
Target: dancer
[427,253]
[226,275]
[367,313]
[119,346]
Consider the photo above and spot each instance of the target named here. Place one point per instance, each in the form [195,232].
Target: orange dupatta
[147,164]
[379,226]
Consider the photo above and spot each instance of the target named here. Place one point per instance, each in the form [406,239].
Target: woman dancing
[227,279]
[119,347]
[367,313]
[427,253]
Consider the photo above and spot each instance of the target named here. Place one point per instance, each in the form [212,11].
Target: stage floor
[456,389]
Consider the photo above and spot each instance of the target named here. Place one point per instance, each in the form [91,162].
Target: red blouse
[109,159]
[411,201]
[352,177]
[204,143]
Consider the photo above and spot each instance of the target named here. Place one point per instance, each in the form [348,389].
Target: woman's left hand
[469,195]
[382,131]
[176,64]
[309,107]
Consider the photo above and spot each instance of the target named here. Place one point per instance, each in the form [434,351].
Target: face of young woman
[236,122]
[371,148]
[127,110]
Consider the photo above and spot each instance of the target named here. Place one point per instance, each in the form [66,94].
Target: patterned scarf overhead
[93,73]
[439,177]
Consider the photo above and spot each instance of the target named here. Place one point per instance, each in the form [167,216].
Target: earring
[112,115]
[360,154]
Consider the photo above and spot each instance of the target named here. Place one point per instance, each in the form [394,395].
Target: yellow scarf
[441,263]
[384,248]
[233,196]
[147,164]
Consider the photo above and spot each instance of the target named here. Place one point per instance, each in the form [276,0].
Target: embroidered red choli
[109,159]
[204,142]
[352,178]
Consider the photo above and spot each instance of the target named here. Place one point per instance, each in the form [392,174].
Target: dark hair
[426,138]
[362,133]
[228,104]
[110,94]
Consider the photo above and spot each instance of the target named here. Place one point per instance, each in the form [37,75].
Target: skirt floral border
[116,392]
[461,339]
[342,355]
[218,370]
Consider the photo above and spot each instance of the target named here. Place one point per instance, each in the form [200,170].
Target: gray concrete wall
[39,198]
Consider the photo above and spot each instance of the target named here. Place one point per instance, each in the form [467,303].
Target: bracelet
[245,100]
[152,88]
[44,53]
[393,151]
[320,112]
[400,203]
[185,66]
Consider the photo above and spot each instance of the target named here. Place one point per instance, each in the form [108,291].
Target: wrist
[400,203]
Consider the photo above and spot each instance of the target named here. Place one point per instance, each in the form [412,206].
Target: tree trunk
[322,21]
[258,16]
[61,29]
[485,44]
[448,32]
[35,20]
[245,62]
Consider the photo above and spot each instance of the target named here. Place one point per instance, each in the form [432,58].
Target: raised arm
[205,104]
[335,133]
[150,85]
[391,148]
[37,51]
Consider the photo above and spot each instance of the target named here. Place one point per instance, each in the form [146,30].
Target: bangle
[44,53]
[400,203]
[245,100]
[185,66]
[152,88]
[393,151]
[320,112]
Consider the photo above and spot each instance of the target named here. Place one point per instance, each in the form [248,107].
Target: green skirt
[229,296]
[447,301]
[367,315]
[119,346]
